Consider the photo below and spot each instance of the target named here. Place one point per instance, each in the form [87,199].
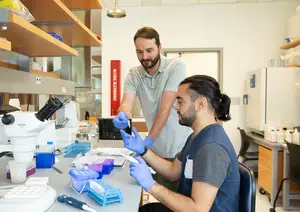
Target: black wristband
[145,151]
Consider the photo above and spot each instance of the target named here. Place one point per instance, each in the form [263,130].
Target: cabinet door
[256,91]
[265,170]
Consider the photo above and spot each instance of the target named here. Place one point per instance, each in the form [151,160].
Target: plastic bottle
[51,149]
[280,136]
[273,136]
[296,136]
[92,128]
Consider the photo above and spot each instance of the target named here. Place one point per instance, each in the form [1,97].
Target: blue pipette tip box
[72,150]
[81,178]
[111,195]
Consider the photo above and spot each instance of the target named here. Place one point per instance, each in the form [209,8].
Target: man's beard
[150,63]
[189,119]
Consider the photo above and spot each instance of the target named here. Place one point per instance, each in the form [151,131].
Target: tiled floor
[262,203]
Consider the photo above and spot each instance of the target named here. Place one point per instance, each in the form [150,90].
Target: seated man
[207,165]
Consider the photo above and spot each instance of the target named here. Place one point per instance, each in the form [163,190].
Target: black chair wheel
[272,210]
[262,191]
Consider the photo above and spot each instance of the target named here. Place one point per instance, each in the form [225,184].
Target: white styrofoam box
[294,25]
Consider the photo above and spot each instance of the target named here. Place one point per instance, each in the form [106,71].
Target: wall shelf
[5,45]
[54,16]
[47,74]
[15,67]
[83,5]
[13,81]
[29,40]
[298,65]
[291,44]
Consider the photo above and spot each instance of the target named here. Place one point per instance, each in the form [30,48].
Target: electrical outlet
[38,80]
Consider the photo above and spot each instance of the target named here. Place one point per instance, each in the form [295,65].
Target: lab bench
[273,163]
[119,178]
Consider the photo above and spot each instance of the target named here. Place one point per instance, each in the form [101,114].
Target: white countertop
[119,178]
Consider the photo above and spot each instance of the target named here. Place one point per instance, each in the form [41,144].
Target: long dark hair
[209,87]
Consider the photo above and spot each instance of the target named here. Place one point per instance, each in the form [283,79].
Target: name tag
[188,171]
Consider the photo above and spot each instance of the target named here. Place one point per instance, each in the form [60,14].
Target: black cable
[29,98]
[57,152]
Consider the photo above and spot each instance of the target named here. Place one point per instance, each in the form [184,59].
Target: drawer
[265,170]
[265,177]
[265,156]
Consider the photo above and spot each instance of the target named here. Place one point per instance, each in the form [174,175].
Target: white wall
[249,33]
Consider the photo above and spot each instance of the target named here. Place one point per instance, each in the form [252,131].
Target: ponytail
[223,111]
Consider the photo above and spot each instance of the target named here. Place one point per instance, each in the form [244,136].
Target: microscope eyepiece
[52,105]
[8,119]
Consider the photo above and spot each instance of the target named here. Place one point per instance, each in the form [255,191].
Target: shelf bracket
[3,15]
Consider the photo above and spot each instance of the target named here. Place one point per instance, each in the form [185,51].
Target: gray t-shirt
[211,165]
[149,90]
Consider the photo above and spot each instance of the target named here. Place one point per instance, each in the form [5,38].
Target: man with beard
[207,165]
[155,82]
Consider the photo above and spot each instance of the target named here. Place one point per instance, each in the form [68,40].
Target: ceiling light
[116,12]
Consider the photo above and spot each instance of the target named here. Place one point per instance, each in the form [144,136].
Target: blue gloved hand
[134,143]
[149,142]
[141,173]
[121,120]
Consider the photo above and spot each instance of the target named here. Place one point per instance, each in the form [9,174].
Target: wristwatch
[145,151]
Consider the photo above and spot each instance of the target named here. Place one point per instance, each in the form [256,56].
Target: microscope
[22,129]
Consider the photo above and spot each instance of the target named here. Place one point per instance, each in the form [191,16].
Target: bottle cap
[92,119]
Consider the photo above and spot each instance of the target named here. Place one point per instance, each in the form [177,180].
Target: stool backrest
[294,169]
[245,143]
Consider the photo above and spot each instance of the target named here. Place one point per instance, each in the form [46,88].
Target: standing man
[155,82]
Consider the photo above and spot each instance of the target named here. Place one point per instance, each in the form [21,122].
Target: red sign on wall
[115,81]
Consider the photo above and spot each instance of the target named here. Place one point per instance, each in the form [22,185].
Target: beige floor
[262,203]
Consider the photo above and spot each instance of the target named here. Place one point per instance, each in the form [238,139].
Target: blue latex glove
[134,143]
[140,172]
[121,120]
[149,142]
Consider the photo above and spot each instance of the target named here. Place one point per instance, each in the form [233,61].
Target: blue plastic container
[97,168]
[81,178]
[108,166]
[72,150]
[110,195]
[44,160]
